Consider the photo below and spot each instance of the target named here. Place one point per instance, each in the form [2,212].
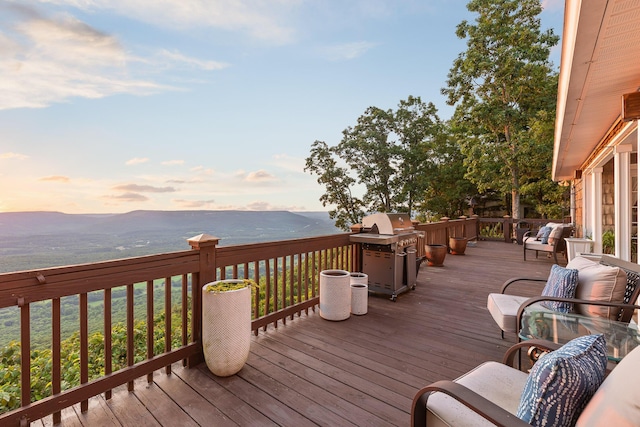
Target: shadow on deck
[362,371]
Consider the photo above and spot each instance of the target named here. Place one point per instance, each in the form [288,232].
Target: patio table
[563,327]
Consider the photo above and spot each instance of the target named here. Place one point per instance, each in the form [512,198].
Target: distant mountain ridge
[207,221]
[39,239]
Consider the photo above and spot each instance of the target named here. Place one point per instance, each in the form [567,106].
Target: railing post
[446,231]
[477,226]
[357,261]
[206,273]
[507,226]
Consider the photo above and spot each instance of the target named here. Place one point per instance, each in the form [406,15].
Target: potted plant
[457,245]
[435,254]
[226,325]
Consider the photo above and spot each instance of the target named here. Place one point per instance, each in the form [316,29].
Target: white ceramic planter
[335,294]
[226,329]
[359,293]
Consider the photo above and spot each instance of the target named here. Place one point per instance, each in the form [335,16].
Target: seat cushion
[494,381]
[599,283]
[504,308]
[562,382]
[561,283]
[616,401]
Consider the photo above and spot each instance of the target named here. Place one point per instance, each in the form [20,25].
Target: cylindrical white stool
[359,293]
[335,294]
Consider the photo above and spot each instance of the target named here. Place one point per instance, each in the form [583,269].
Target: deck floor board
[361,371]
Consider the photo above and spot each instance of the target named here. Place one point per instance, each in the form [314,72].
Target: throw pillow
[561,283]
[562,382]
[556,234]
[541,232]
[545,236]
[599,283]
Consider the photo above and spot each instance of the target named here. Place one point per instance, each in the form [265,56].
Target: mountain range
[30,240]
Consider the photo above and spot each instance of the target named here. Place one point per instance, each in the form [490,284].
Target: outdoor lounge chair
[551,242]
[490,395]
[593,296]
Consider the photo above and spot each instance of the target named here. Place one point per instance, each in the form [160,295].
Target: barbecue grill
[388,252]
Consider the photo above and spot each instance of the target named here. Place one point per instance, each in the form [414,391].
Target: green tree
[499,85]
[447,191]
[386,153]
[347,209]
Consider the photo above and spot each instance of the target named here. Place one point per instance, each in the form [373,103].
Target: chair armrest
[533,300]
[470,399]
[513,280]
[513,351]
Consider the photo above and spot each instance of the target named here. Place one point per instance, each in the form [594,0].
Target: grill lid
[388,223]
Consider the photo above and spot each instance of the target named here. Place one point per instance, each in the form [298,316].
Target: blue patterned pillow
[562,382]
[562,283]
[541,232]
[544,238]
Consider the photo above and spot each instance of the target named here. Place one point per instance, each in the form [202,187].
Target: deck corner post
[206,245]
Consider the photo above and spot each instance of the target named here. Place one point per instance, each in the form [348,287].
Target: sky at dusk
[109,106]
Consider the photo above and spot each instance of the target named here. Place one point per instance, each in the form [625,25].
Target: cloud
[180,59]
[10,155]
[55,178]
[260,19]
[173,162]
[136,161]
[144,188]
[346,51]
[50,60]
[191,204]
[202,170]
[128,197]
[259,176]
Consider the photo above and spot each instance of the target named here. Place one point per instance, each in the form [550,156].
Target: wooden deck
[362,371]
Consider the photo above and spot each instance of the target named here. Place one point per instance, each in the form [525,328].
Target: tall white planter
[226,328]
[359,293]
[335,294]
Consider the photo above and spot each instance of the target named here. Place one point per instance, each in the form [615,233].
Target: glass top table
[561,328]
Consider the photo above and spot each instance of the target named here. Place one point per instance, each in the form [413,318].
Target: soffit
[600,62]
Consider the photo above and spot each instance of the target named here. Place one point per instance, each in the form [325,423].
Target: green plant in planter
[231,285]
[608,242]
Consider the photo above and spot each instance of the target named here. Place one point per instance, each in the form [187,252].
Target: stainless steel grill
[388,252]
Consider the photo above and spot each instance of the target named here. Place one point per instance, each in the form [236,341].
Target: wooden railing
[287,272]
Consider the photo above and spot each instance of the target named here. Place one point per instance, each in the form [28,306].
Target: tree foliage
[394,158]
[501,86]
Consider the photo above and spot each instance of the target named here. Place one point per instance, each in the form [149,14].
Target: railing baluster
[108,350]
[284,287]
[276,294]
[150,326]
[167,320]
[130,332]
[267,297]
[25,352]
[256,302]
[84,346]
[56,377]
[299,283]
[185,313]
